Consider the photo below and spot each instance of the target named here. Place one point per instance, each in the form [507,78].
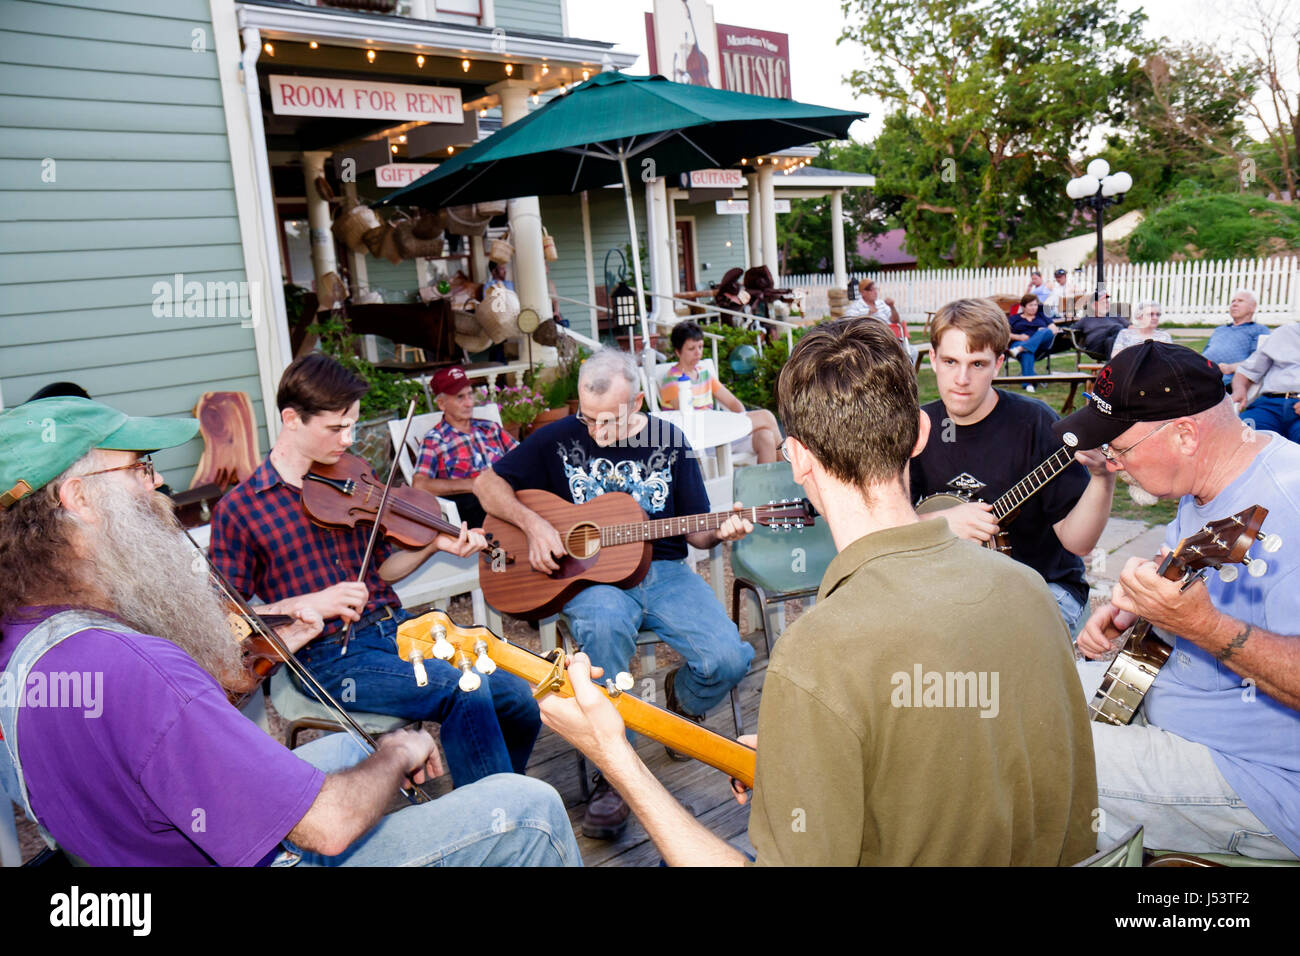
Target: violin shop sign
[364,99]
[686,45]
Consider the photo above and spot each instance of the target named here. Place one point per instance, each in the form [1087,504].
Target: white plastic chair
[420,425]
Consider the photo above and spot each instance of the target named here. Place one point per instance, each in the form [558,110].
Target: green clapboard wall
[115,175]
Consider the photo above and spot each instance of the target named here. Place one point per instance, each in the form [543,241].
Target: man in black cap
[1209,764]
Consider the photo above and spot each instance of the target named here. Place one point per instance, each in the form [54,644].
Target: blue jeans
[1171,786]
[1274,415]
[1070,607]
[679,606]
[502,820]
[491,730]
[1040,340]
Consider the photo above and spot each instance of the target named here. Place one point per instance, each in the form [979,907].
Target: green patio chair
[1127,852]
[776,565]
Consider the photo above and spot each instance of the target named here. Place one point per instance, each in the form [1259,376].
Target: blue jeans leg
[488,731]
[502,820]
[1039,340]
[1071,607]
[1274,415]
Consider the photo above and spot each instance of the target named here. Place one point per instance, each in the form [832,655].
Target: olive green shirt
[925,711]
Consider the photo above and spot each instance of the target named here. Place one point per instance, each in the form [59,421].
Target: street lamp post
[1098,189]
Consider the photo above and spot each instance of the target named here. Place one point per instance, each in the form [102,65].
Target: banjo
[1006,507]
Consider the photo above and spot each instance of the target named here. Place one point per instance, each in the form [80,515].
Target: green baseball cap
[42,439]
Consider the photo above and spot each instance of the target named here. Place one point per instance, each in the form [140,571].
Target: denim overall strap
[13,682]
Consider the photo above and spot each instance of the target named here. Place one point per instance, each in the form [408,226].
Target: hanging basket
[548,246]
[501,250]
[498,313]
[430,225]
[548,333]
[330,292]
[412,246]
[473,343]
[351,225]
[466,324]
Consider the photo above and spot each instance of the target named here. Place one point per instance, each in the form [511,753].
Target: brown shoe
[607,812]
[670,700]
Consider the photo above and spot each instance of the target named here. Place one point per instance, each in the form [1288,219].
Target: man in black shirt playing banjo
[984,442]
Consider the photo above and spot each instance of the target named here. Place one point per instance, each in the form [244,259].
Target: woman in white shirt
[1143,327]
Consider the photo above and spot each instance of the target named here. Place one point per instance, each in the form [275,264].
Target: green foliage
[987,100]
[1216,227]
[804,234]
[759,389]
[520,404]
[564,388]
[389,394]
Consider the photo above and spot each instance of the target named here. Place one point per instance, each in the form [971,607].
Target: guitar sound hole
[582,541]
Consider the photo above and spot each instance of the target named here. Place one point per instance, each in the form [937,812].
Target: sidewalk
[1123,538]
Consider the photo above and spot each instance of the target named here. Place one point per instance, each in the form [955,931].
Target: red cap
[449,381]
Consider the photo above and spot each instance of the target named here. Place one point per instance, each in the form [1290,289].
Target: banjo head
[939,502]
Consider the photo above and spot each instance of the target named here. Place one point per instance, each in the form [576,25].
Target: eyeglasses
[144,462]
[784,449]
[605,421]
[1114,456]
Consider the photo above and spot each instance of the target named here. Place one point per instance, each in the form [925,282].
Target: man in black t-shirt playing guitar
[986,444]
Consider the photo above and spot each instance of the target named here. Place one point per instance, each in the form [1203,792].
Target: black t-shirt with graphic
[985,459]
[655,466]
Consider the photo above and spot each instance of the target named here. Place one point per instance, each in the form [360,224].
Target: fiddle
[261,659]
[347,492]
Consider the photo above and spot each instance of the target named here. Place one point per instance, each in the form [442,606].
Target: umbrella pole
[636,252]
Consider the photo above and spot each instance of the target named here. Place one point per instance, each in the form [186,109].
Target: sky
[818,65]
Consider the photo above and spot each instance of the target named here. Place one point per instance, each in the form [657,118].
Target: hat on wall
[1150,382]
[40,440]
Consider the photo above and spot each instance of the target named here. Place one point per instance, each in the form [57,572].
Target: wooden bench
[1073,379]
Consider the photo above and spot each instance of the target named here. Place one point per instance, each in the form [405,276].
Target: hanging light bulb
[402,138]
[370,55]
[464,65]
[392,148]
[545,69]
[314,45]
[268,49]
[586,75]
[510,69]
[450,150]
[483,111]
[419,61]
[536,98]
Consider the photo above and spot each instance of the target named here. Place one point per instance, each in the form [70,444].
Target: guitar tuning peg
[612,689]
[443,649]
[1271,541]
[482,663]
[417,662]
[1256,568]
[469,681]
[1228,573]
[624,681]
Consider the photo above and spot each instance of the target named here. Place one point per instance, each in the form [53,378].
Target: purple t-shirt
[149,765]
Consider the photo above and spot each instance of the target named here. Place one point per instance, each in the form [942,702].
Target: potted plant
[520,405]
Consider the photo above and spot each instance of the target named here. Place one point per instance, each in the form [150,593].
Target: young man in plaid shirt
[460,447]
[263,542]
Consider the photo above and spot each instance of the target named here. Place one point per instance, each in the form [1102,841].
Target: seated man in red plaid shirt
[263,542]
[459,447]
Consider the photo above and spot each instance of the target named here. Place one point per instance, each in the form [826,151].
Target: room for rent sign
[361,99]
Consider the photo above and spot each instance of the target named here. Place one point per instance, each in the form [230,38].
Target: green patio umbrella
[586,138]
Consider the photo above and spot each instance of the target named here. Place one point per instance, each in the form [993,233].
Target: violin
[347,492]
[261,659]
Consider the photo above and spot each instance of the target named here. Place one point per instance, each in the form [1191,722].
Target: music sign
[362,99]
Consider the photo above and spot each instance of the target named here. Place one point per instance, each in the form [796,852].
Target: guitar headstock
[435,636]
[792,514]
[1222,544]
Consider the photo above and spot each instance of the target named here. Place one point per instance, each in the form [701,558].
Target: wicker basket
[462,221]
[549,251]
[330,292]
[351,225]
[473,343]
[548,333]
[498,313]
[412,246]
[430,225]
[501,250]
[466,323]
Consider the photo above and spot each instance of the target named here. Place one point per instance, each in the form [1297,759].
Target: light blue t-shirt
[1254,739]
[1233,343]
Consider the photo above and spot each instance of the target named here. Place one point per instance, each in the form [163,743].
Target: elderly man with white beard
[96,579]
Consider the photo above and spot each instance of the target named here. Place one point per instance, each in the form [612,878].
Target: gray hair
[600,371]
[1146,304]
[1248,294]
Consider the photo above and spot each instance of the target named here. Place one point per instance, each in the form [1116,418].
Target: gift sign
[395,175]
[361,99]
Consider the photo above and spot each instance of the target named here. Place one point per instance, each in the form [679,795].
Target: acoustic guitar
[606,541]
[1220,544]
[1006,507]
[476,650]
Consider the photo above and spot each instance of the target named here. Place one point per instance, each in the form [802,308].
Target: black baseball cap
[1151,382]
[1059,272]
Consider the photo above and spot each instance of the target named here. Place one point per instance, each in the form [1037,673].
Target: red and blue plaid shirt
[450,453]
[264,543]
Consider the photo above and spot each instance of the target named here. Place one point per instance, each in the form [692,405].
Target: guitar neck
[670,527]
[1027,486]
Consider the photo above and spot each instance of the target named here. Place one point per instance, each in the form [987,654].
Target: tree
[804,234]
[1217,227]
[1192,87]
[986,100]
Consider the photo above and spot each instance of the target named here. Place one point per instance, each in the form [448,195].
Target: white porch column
[659,250]
[755,221]
[837,239]
[765,186]
[318,215]
[356,260]
[587,259]
[478,260]
[526,229]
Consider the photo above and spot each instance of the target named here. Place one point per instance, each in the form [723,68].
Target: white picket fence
[1191,291]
